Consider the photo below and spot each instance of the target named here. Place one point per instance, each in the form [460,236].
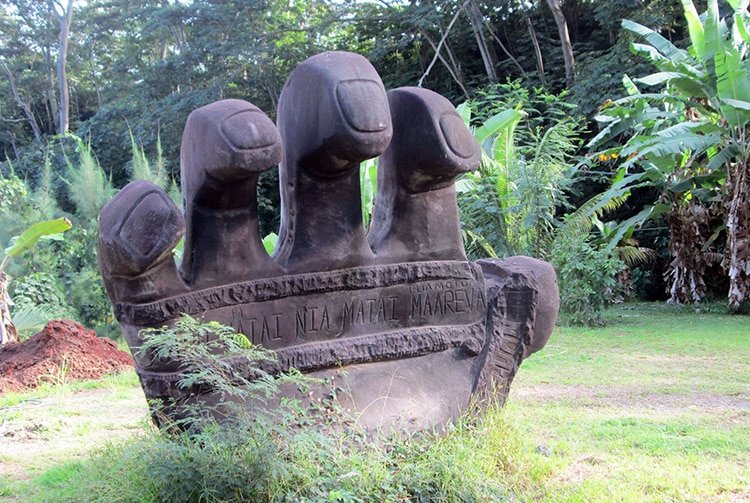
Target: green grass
[43,430]
[654,407]
[119,384]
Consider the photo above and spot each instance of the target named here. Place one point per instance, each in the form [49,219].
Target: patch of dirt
[732,497]
[631,397]
[582,469]
[38,433]
[64,351]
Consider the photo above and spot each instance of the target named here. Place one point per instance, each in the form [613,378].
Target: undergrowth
[650,408]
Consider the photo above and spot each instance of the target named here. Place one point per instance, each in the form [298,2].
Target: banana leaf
[31,236]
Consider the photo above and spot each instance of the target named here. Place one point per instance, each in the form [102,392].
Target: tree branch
[24,106]
[442,41]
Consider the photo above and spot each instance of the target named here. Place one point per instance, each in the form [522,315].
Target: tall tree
[63,12]
[25,52]
[485,48]
[567,46]
[25,105]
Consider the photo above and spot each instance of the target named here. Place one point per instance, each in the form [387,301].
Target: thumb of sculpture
[138,229]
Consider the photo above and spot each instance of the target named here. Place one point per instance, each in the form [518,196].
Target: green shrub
[510,205]
[59,277]
[39,289]
[13,193]
[587,276]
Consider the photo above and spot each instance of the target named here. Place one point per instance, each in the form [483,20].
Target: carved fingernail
[457,135]
[360,110]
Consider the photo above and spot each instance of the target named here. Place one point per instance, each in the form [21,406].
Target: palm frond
[695,27]
[669,143]
[474,241]
[635,255]
[661,44]
[31,319]
[713,257]
[626,226]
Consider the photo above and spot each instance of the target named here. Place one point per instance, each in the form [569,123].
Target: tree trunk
[95,80]
[506,51]
[737,258]
[456,71]
[24,106]
[485,49]
[453,68]
[567,46]
[64,18]
[689,230]
[52,106]
[8,332]
[537,51]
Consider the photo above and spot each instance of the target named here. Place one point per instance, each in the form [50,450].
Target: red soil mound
[64,350]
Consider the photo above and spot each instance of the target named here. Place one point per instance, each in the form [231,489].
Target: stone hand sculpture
[419,332]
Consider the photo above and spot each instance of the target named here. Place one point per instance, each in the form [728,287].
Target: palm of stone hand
[418,329]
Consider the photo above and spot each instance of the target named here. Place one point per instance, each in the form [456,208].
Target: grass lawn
[654,407]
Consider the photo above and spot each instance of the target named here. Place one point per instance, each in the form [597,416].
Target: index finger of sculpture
[225,146]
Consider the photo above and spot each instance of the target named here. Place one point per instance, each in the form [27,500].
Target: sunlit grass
[118,382]
[654,407]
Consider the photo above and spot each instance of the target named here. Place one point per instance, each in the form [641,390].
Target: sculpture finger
[138,229]
[416,215]
[225,148]
[333,114]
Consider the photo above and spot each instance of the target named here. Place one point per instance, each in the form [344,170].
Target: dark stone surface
[415,217]
[333,114]
[225,148]
[416,333]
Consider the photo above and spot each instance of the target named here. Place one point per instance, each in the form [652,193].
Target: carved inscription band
[248,292]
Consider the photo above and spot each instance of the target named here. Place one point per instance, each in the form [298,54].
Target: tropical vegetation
[19,244]
[689,140]
[90,92]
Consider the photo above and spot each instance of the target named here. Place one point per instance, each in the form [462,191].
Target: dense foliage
[59,277]
[124,75]
[139,67]
[690,140]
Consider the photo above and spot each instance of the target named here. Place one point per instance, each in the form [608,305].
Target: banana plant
[17,246]
[485,194]
[691,139]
